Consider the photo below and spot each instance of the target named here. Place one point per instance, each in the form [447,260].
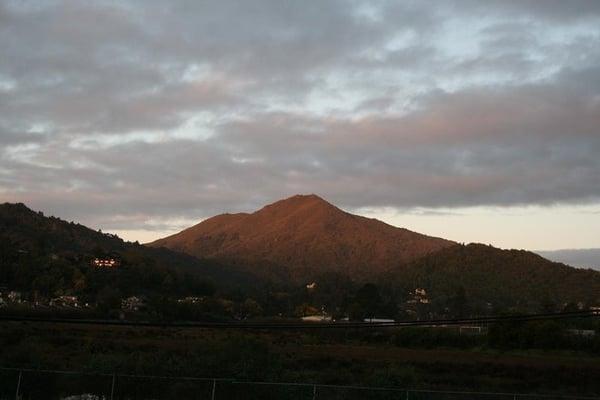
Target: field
[385,358]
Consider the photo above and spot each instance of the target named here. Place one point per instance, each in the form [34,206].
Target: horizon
[477,123]
[150,236]
[418,221]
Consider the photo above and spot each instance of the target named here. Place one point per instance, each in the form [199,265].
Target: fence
[31,384]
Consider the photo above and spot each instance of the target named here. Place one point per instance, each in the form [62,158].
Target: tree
[458,303]
[250,308]
[368,301]
[109,299]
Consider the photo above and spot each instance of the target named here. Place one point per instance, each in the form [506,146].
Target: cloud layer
[133,114]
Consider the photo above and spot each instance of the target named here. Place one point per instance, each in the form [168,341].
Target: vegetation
[479,279]
[519,360]
[46,257]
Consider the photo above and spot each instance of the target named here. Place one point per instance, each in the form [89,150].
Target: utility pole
[214,389]
[18,385]
[112,388]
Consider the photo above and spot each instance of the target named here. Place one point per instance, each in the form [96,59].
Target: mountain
[582,258]
[294,240]
[301,236]
[50,256]
[304,238]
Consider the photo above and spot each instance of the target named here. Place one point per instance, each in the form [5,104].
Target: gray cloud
[554,10]
[130,114]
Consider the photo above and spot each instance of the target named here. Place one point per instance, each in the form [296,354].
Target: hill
[302,236]
[51,256]
[483,276]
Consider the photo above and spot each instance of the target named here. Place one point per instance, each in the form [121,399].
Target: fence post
[214,389]
[407,393]
[314,392]
[18,385]
[112,388]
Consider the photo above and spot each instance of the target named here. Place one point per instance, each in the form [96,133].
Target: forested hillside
[50,257]
[480,277]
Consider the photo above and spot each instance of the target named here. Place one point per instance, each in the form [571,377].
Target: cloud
[554,10]
[129,115]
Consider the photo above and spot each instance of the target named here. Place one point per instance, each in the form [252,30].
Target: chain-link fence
[30,384]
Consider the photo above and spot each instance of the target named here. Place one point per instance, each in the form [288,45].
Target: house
[106,263]
[133,303]
[317,318]
[309,314]
[378,320]
[65,301]
[581,332]
[190,300]
[419,296]
[14,297]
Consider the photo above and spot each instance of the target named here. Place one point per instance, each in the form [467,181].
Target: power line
[305,325]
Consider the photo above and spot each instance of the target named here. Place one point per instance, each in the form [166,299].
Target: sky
[475,121]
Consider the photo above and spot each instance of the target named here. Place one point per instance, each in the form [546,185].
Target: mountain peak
[305,197]
[297,202]
[302,199]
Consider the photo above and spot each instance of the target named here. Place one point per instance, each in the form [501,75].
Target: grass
[296,357]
